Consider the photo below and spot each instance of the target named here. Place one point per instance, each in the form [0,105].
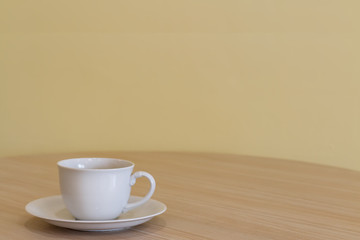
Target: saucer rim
[27,208]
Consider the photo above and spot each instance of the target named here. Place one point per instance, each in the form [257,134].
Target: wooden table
[209,196]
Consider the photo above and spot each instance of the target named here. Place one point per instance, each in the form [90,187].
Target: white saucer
[52,210]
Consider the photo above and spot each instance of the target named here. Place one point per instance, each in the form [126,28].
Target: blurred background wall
[272,78]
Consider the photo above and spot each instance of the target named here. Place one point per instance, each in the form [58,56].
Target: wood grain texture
[209,196]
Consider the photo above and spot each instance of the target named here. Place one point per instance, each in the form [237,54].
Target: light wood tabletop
[209,196]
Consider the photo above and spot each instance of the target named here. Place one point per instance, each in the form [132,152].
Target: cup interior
[95,163]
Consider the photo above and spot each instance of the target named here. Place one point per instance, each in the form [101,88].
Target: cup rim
[60,164]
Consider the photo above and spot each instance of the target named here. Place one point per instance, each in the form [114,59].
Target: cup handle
[133,178]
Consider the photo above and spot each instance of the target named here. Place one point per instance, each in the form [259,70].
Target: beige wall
[271,78]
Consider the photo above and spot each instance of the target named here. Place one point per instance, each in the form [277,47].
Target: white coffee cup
[99,188]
